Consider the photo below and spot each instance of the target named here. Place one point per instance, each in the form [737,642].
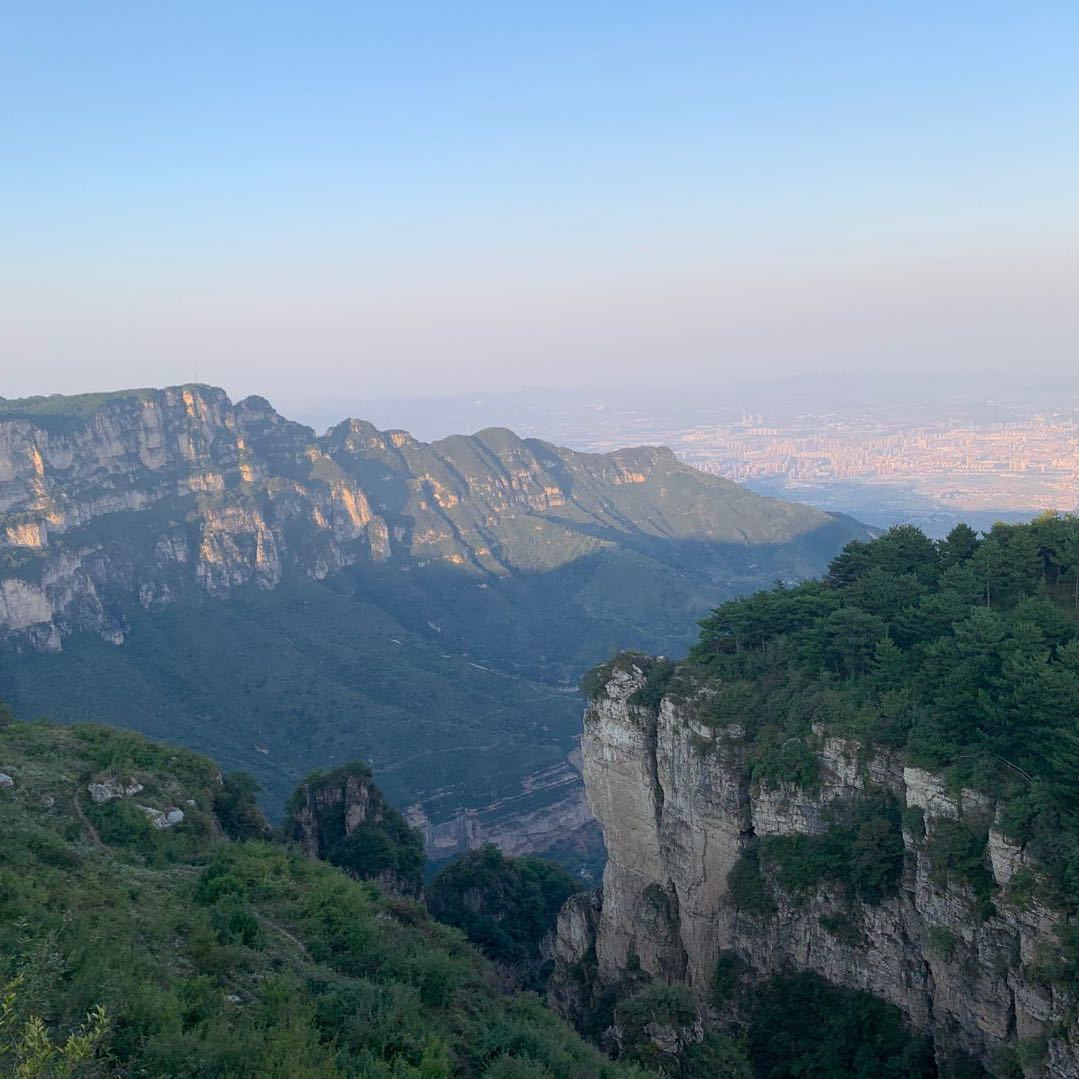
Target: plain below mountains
[213,574]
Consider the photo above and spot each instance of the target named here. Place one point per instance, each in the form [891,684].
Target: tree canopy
[963,654]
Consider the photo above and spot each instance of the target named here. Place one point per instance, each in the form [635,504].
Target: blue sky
[323,201]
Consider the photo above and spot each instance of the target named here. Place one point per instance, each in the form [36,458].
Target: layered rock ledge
[678,810]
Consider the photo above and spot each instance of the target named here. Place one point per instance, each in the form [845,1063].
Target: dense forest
[962,655]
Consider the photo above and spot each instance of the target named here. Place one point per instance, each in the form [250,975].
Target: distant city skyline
[331,202]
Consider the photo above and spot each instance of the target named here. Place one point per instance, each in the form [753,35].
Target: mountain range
[215,575]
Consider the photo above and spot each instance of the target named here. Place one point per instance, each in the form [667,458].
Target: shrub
[236,807]
[657,679]
[779,758]
[716,1057]
[803,1026]
[670,1006]
[914,822]
[506,906]
[862,852]
[748,888]
[942,942]
[843,929]
[727,979]
[956,850]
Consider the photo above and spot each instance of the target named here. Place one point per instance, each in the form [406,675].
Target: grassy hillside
[219,958]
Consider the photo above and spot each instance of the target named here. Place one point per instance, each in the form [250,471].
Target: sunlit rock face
[145,496]
[677,808]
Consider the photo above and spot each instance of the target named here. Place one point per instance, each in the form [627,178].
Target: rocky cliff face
[342,817]
[150,494]
[322,812]
[138,497]
[678,810]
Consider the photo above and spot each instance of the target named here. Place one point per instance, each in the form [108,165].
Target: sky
[330,203]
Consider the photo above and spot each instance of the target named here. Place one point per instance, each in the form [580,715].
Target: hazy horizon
[538,410]
[342,202]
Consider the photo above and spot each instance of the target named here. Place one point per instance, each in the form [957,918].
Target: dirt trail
[301,947]
[91,831]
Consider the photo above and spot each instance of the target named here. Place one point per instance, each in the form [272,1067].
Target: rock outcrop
[109,788]
[342,817]
[327,808]
[162,819]
[141,497]
[678,811]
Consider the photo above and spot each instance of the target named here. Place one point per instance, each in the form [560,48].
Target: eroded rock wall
[155,494]
[138,497]
[677,808]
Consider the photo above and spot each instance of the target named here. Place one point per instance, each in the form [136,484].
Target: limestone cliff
[342,817]
[678,810]
[139,497]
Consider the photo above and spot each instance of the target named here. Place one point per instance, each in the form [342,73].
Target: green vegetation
[62,414]
[748,887]
[381,846]
[803,1026]
[658,674]
[956,850]
[505,906]
[727,979]
[657,680]
[861,854]
[963,655]
[660,1028]
[843,928]
[213,957]
[236,807]
[942,942]
[799,1025]
[29,1051]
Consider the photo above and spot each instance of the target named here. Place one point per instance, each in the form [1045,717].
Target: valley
[214,575]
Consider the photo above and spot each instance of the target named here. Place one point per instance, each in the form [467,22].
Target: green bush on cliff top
[962,654]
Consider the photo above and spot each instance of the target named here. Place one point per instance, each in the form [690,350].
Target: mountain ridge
[220,576]
[244,463]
